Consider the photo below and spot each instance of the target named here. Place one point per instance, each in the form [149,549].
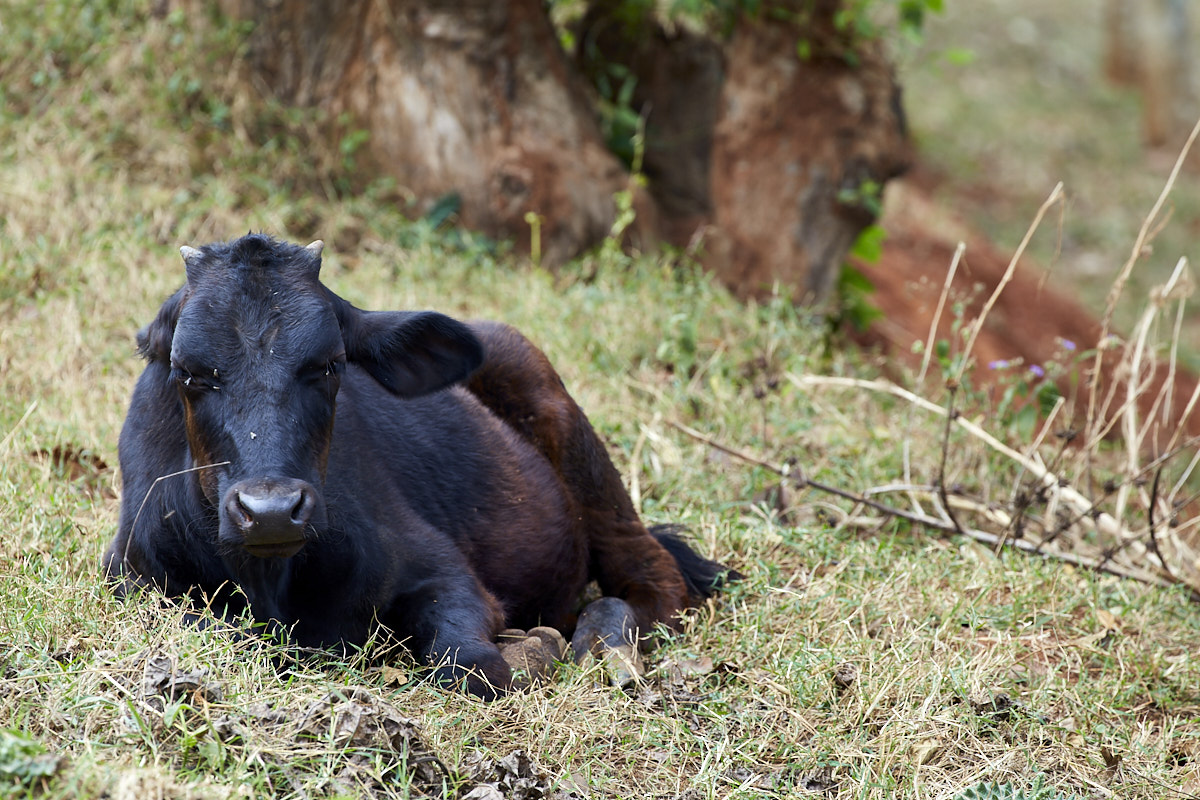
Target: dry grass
[1142,523]
[873,662]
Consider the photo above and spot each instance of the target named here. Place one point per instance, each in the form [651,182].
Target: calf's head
[256,349]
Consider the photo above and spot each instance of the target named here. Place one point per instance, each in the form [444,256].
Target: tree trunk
[677,80]
[470,97]
[801,152]
[1149,45]
[774,163]
[1121,63]
[1168,93]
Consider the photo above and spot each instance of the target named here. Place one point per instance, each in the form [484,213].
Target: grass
[878,662]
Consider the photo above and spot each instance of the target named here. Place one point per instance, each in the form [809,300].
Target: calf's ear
[410,353]
[154,340]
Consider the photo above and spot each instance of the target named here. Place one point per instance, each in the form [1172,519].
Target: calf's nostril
[240,511]
[303,508]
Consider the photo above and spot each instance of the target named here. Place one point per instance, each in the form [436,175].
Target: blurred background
[1008,98]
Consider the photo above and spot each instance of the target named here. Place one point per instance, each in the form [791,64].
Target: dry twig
[988,512]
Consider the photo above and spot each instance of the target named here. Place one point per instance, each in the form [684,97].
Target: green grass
[866,663]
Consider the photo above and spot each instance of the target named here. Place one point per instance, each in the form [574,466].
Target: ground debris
[374,745]
[516,776]
[744,779]
[675,681]
[820,782]
[236,727]
[844,676]
[139,784]
[1001,707]
[163,681]
[354,718]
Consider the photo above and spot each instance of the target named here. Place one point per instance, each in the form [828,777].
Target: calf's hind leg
[519,385]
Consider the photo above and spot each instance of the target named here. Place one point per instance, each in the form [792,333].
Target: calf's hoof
[487,678]
[532,656]
[607,630]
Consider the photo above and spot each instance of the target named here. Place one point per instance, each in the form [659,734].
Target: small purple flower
[1001,364]
[1067,344]
[1038,371]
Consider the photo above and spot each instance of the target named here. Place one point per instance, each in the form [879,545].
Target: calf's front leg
[450,623]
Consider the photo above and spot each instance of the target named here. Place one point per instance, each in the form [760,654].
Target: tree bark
[801,152]
[467,97]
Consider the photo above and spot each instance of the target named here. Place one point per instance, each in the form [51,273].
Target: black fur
[704,578]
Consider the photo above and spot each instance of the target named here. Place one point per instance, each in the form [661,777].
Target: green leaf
[869,244]
[24,760]
[446,207]
[1047,396]
[959,56]
[854,292]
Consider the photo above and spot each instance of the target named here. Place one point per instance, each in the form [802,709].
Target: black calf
[345,468]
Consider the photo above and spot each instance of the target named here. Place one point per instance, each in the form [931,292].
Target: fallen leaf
[393,676]
[484,792]
[683,668]
[1108,620]
[928,749]
[514,777]
[160,679]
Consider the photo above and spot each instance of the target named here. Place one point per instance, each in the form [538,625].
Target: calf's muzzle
[270,515]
